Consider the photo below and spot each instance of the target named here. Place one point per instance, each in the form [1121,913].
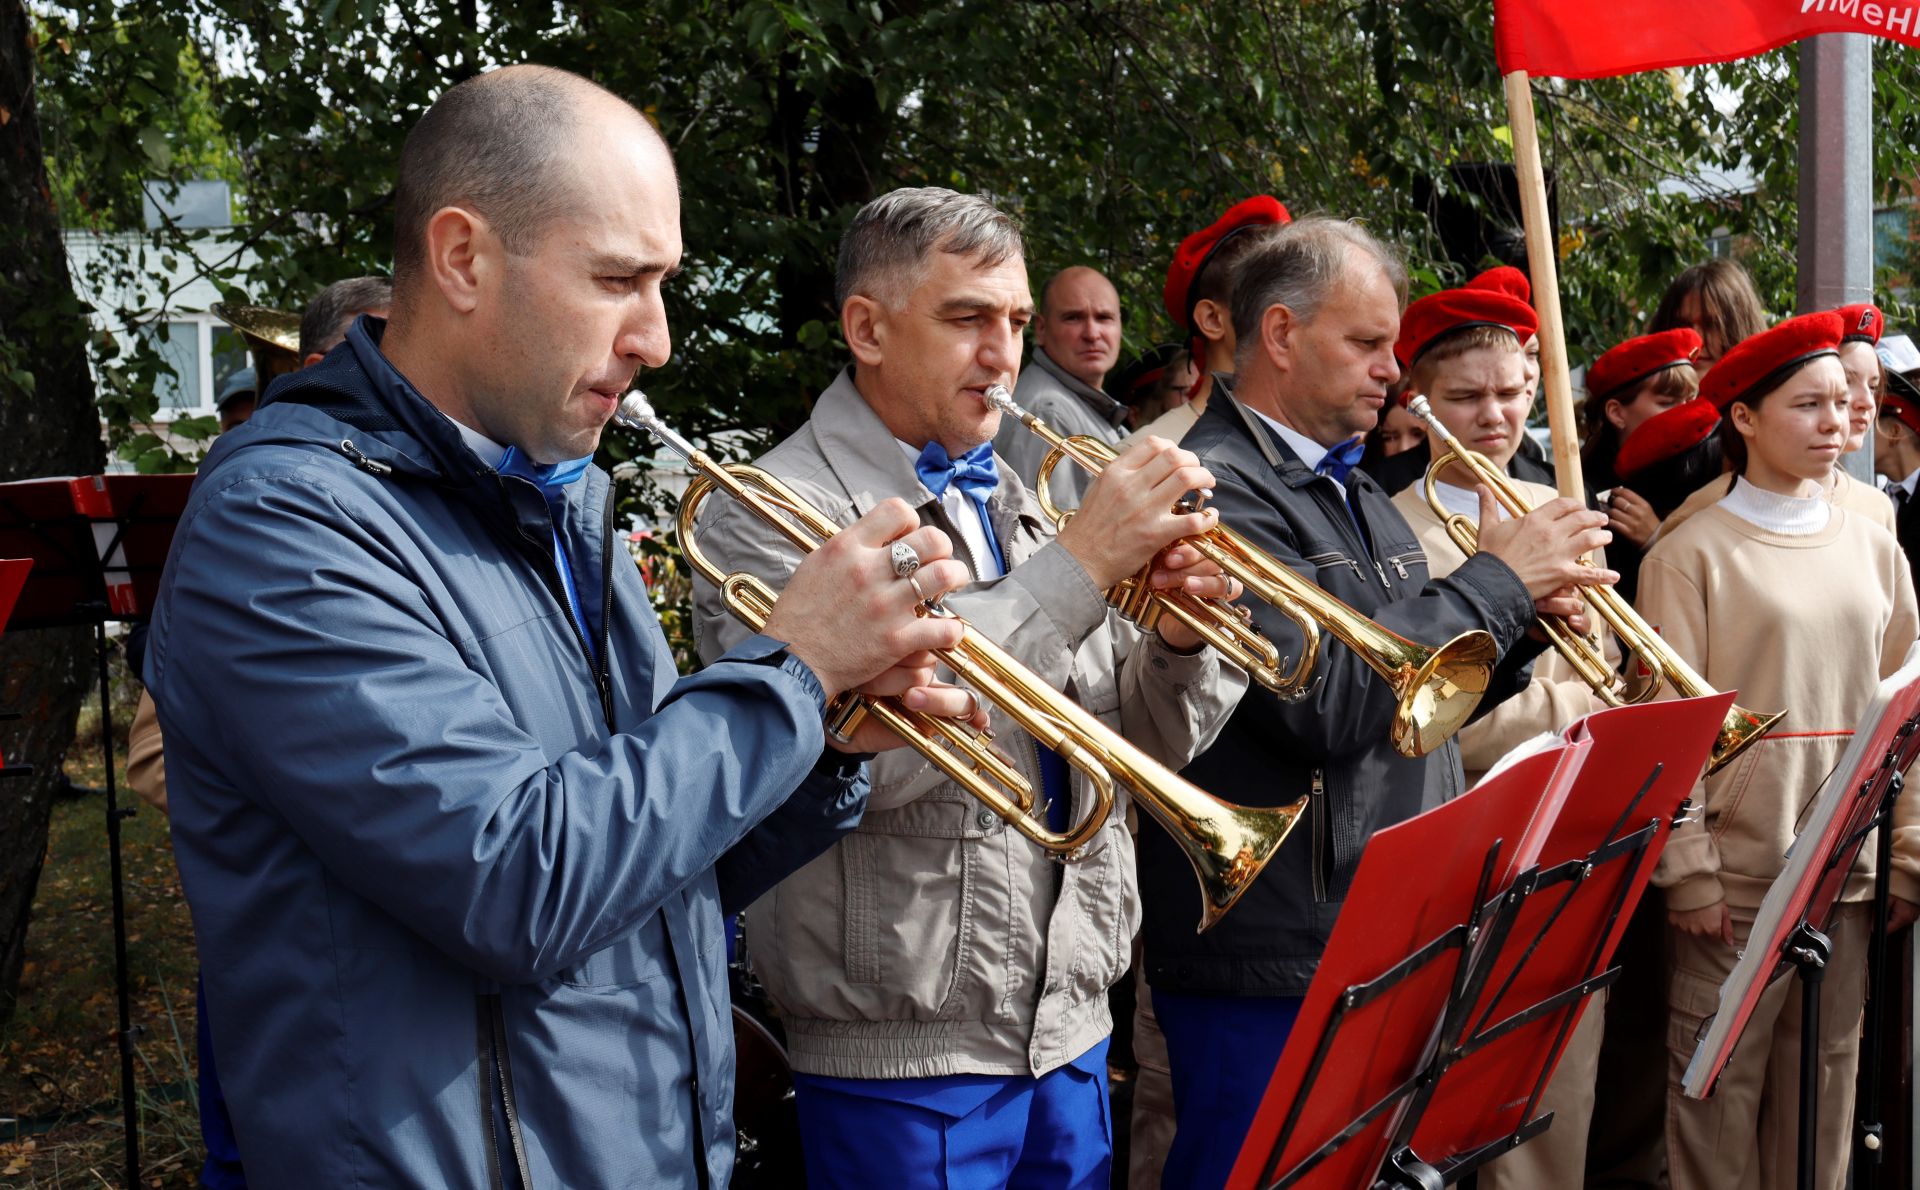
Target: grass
[59,1059]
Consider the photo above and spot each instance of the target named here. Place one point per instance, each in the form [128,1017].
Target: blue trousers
[961,1132]
[1222,1050]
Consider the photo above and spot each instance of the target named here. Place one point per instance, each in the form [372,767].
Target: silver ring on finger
[914,582]
[905,559]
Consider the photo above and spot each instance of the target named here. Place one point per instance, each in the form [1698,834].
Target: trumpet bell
[1440,696]
[1740,730]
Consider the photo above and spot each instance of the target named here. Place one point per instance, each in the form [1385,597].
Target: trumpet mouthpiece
[1419,408]
[635,408]
[998,396]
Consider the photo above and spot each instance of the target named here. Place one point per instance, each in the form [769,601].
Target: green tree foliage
[1113,127]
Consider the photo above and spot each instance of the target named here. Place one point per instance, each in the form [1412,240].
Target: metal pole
[1836,184]
[129,1109]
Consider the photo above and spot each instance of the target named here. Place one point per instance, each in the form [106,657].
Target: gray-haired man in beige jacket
[942,980]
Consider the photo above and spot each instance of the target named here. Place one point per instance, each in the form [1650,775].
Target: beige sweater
[1555,697]
[1845,492]
[1809,623]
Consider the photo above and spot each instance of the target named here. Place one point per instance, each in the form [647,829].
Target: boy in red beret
[1504,297]
[1464,350]
[1199,286]
[1795,601]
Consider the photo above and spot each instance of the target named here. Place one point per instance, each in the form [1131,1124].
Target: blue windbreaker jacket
[457,885]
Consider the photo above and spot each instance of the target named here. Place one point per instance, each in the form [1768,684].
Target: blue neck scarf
[974,473]
[552,480]
[1340,461]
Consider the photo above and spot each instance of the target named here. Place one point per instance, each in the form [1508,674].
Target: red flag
[1578,39]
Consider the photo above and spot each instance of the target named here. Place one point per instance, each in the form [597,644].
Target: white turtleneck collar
[1790,516]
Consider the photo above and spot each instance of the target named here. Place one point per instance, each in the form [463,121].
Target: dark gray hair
[499,144]
[1297,267]
[885,251]
[324,322]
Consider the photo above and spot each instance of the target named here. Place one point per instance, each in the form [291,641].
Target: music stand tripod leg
[1870,1129]
[129,1109]
[1808,950]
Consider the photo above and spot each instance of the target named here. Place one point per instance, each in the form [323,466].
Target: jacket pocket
[1337,558]
[910,883]
[1402,563]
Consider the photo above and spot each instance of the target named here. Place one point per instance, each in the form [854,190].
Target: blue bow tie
[550,478]
[974,472]
[1342,459]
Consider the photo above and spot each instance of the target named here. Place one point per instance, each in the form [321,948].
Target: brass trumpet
[1437,688]
[1227,844]
[1637,638]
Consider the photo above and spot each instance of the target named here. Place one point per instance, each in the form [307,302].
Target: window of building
[179,386]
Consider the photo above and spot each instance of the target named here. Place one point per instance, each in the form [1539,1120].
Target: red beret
[1262,210]
[1666,434]
[1636,359]
[1505,279]
[1863,322]
[1761,363]
[1894,403]
[1440,314]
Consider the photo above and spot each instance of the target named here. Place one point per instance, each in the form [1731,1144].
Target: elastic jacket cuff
[1695,892]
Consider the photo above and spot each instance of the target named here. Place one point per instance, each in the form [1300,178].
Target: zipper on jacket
[496,1083]
[370,466]
[1317,809]
[556,585]
[1399,564]
[1329,558]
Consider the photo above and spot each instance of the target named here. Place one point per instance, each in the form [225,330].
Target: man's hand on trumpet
[852,612]
[1129,519]
[1547,549]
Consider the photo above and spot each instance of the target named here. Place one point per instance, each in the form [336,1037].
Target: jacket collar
[1243,423]
[869,463]
[1104,407]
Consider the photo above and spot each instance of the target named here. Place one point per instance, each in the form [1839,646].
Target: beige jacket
[934,940]
[1806,623]
[1555,697]
[146,765]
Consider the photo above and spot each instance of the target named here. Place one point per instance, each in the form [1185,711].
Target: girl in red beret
[1796,602]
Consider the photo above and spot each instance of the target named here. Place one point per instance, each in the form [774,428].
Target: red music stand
[97,545]
[1408,1039]
[13,575]
[1789,931]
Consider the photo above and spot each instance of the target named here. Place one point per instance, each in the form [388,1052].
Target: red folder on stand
[1416,885]
[1442,1001]
[94,539]
[13,576]
[1817,865]
[1565,934]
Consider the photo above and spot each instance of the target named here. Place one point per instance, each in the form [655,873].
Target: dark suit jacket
[1332,743]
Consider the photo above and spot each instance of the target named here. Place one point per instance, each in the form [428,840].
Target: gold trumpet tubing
[1228,845]
[966,756]
[1437,689]
[1738,731]
[1582,652]
[1091,454]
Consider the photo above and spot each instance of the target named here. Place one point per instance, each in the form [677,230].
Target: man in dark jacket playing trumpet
[1316,311]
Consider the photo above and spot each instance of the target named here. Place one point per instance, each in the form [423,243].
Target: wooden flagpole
[1555,378]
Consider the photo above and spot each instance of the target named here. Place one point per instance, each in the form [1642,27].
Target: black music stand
[97,544]
[1489,999]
